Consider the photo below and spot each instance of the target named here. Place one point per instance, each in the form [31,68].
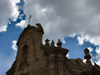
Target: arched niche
[23,58]
[24,54]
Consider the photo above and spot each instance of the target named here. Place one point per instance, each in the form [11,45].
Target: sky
[75,22]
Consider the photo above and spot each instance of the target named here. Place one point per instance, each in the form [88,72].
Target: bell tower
[30,53]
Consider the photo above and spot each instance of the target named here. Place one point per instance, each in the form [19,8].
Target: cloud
[66,18]
[90,49]
[80,40]
[8,9]
[14,47]
[22,24]
[3,28]
[15,8]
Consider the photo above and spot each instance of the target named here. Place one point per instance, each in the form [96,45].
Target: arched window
[24,54]
[23,61]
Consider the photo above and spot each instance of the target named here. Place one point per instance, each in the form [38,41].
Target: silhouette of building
[35,58]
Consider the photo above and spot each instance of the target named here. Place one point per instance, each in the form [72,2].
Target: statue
[40,29]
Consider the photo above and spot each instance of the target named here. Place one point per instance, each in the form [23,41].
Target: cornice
[50,50]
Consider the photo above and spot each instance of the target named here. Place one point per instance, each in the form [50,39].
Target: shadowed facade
[35,58]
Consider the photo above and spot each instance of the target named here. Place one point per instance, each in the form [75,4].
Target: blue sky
[75,22]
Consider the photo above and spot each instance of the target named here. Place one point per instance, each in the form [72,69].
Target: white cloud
[90,49]
[8,9]
[80,40]
[3,28]
[22,24]
[15,11]
[14,47]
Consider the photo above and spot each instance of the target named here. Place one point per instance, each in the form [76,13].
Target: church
[35,58]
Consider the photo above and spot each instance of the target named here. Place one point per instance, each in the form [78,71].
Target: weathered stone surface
[34,58]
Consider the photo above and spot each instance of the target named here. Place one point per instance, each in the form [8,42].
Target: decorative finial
[87,56]
[47,42]
[29,18]
[59,43]
[52,43]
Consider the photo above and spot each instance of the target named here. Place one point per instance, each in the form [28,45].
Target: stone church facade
[35,58]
